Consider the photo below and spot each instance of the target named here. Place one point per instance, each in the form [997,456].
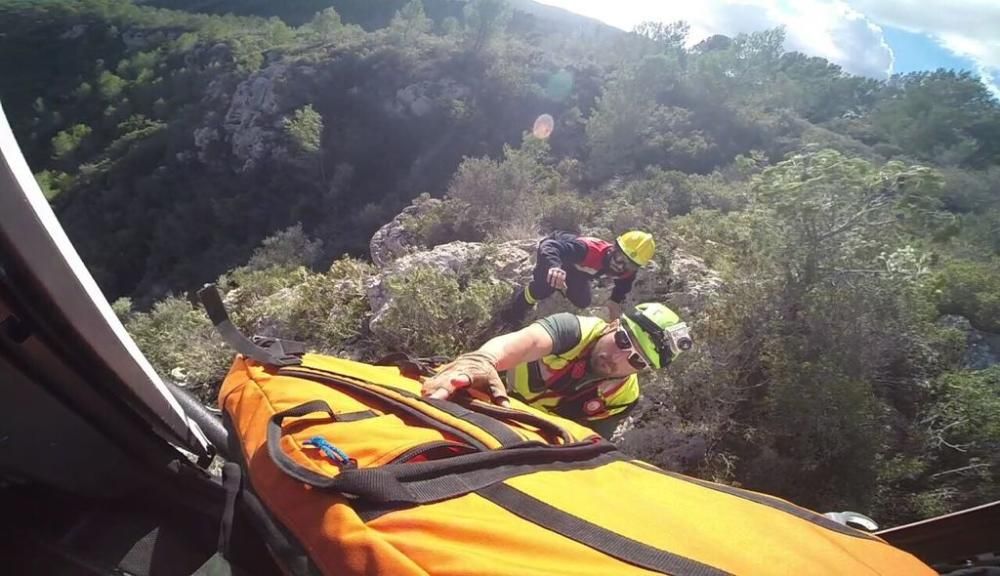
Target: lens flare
[543,127]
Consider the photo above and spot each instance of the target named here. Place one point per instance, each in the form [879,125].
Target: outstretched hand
[557,278]
[476,371]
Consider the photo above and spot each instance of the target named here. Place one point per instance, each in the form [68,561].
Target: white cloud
[827,28]
[967,28]
[840,34]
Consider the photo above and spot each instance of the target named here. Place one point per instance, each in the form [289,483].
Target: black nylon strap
[339,381]
[495,428]
[500,431]
[424,482]
[766,500]
[285,462]
[282,347]
[212,301]
[410,366]
[655,333]
[280,542]
[546,426]
[355,416]
[232,478]
[593,536]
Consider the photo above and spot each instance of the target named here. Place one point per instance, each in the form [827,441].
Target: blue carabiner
[338,456]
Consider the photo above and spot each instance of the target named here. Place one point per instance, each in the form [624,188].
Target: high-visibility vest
[559,383]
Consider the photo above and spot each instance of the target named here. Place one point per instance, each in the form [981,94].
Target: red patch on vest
[579,370]
[594,406]
[597,250]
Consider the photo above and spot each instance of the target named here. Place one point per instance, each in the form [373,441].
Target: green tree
[485,20]
[324,25]
[971,289]
[411,20]
[68,141]
[944,115]
[450,26]
[434,313]
[957,467]
[506,194]
[829,209]
[631,129]
[83,91]
[821,91]
[305,130]
[181,342]
[53,182]
[110,86]
[289,248]
[669,37]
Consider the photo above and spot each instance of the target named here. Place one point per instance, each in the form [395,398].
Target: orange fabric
[471,535]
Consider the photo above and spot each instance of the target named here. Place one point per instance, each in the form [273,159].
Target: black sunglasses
[624,342]
[621,261]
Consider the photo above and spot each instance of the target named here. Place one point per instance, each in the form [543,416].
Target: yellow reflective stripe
[518,380]
[626,394]
[519,377]
[546,405]
[590,330]
[528,297]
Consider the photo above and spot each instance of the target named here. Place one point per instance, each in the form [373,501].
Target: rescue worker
[578,367]
[568,263]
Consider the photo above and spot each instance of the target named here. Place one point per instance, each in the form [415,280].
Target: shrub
[441,221]
[434,312]
[180,341]
[565,211]
[246,288]
[505,192]
[67,141]
[971,289]
[288,248]
[325,311]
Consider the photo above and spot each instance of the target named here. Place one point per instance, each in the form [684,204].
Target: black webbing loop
[548,427]
[283,347]
[436,480]
[270,356]
[422,482]
[503,433]
[285,462]
[373,392]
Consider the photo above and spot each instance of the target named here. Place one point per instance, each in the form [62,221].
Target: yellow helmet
[638,246]
[657,332]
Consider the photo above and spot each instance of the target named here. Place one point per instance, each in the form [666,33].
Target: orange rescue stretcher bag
[350,471]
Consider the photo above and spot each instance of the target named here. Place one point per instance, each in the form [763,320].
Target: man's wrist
[483,355]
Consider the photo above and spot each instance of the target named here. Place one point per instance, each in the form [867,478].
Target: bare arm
[478,369]
[526,345]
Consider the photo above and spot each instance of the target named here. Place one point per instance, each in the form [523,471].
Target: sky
[873,38]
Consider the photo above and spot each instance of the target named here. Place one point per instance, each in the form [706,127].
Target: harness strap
[267,351]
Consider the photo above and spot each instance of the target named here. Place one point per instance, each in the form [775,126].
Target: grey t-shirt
[564,328]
